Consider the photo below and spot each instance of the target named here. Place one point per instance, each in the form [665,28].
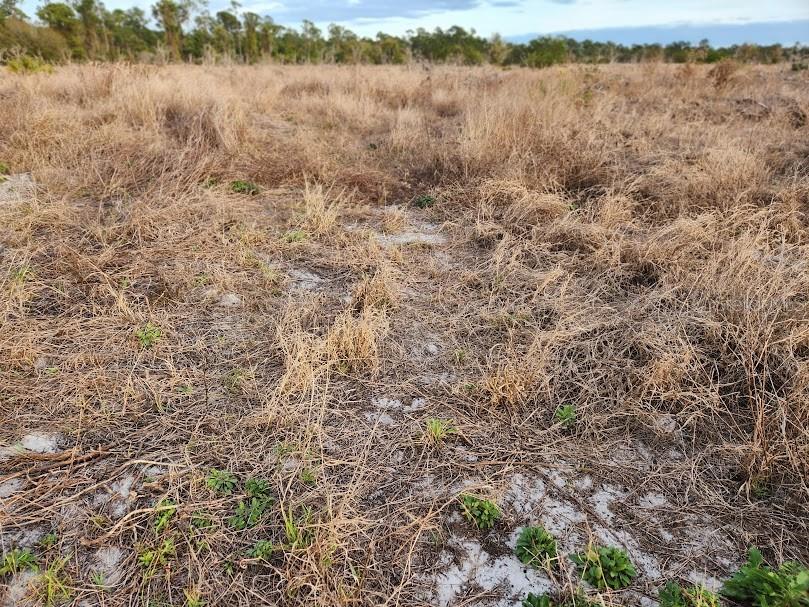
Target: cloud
[505,3]
[352,10]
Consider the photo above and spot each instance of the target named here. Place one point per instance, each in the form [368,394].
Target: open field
[473,246]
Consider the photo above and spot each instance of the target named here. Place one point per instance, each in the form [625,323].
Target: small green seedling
[98,579]
[257,487]
[52,588]
[296,530]
[759,585]
[674,595]
[221,481]
[211,182]
[482,512]
[545,600]
[193,598]
[18,560]
[148,335]
[165,510]
[262,550]
[244,187]
[308,476]
[536,547]
[248,513]
[605,567]
[294,235]
[565,415]
[424,201]
[49,541]
[4,169]
[151,559]
[234,379]
[438,430]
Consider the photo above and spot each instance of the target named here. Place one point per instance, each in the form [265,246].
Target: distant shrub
[799,66]
[24,64]
[424,201]
[722,72]
[244,187]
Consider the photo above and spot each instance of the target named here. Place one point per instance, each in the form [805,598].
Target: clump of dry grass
[629,240]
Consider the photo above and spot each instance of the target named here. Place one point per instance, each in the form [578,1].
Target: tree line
[180,30]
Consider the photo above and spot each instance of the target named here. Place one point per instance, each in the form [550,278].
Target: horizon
[724,23]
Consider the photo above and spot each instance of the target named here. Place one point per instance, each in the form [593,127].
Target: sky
[640,20]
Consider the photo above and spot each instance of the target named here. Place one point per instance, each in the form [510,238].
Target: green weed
[759,585]
[424,201]
[151,559]
[483,513]
[295,235]
[296,529]
[98,579]
[165,510]
[221,481]
[4,169]
[248,513]
[605,567]
[193,598]
[148,335]
[262,549]
[565,415]
[244,187]
[25,64]
[18,560]
[49,540]
[536,547]
[308,476]
[52,586]
[437,431]
[674,595]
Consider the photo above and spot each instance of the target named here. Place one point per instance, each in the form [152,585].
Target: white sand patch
[16,188]
[406,238]
[230,300]
[107,561]
[380,418]
[603,498]
[305,280]
[41,442]
[473,567]
[19,587]
[10,487]
[653,500]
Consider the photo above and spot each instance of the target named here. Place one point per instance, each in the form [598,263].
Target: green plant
[565,415]
[49,541]
[18,560]
[25,64]
[545,600]
[148,335]
[294,235]
[52,587]
[256,487]
[244,187]
[193,598]
[262,549]
[674,595]
[308,476]
[424,201]
[4,169]
[759,585]
[165,510]
[249,513]
[98,579]
[437,431]
[297,532]
[221,481]
[482,512]
[536,547]
[605,567]
[151,559]
[234,379]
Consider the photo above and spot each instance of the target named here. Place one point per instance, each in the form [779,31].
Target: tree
[251,50]
[170,16]
[8,8]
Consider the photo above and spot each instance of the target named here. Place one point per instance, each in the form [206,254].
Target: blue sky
[742,20]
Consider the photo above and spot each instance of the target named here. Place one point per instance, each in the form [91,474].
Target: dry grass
[631,240]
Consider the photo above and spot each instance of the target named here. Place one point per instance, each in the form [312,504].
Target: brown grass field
[630,240]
